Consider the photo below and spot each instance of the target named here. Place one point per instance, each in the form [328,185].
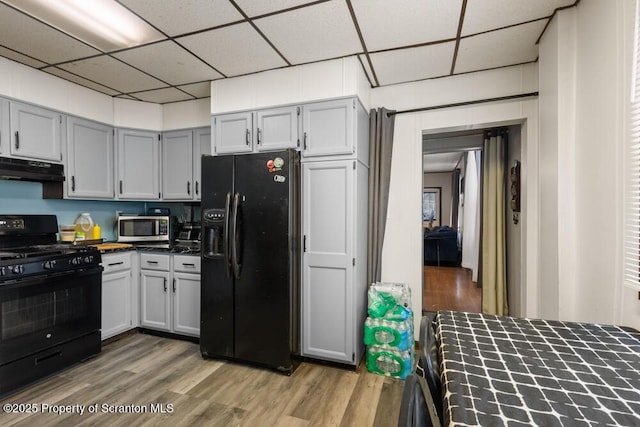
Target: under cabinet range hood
[30,170]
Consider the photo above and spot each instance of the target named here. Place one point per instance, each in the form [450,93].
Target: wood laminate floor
[450,288]
[141,370]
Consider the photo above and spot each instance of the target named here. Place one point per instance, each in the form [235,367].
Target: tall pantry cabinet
[335,157]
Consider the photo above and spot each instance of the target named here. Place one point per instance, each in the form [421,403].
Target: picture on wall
[431,206]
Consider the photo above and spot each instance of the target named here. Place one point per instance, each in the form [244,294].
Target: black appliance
[30,170]
[50,301]
[250,276]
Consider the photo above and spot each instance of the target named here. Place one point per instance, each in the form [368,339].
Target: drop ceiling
[204,40]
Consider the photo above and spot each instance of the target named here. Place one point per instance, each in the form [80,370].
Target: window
[632,173]
[431,204]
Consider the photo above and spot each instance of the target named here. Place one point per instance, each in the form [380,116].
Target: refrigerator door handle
[225,243]
[234,236]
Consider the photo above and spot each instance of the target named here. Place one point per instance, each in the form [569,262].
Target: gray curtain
[381,124]
[493,264]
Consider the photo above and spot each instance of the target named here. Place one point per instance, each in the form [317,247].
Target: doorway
[452,161]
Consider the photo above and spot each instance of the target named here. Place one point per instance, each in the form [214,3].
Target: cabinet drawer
[154,262]
[116,262]
[186,263]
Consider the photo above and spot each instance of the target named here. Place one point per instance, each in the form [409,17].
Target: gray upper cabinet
[328,128]
[90,165]
[4,127]
[138,165]
[201,145]
[35,132]
[277,128]
[232,133]
[177,165]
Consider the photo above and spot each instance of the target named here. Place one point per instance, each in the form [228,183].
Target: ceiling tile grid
[203,40]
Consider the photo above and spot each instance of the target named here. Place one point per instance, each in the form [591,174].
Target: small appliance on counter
[144,228]
[188,235]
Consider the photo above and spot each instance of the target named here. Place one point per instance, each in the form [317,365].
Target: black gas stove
[50,301]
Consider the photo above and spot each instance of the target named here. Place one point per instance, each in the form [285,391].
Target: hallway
[450,288]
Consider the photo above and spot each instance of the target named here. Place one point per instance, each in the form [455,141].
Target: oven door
[42,311]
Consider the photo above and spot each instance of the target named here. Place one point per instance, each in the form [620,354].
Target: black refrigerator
[250,280]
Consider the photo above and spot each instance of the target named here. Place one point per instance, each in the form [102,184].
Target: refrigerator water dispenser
[213,238]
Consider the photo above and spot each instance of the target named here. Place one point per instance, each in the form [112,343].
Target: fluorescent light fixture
[104,24]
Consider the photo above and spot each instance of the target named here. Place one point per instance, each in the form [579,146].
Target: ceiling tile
[256,8]
[233,50]
[485,15]
[313,33]
[180,17]
[509,46]
[199,90]
[161,96]
[386,24]
[18,57]
[113,73]
[24,34]
[169,62]
[127,97]
[416,63]
[80,80]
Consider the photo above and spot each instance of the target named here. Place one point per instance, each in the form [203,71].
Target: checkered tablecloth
[505,371]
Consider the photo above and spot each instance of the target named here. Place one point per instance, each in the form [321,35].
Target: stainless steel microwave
[140,228]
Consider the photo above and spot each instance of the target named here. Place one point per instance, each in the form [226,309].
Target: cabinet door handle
[120,186]
[247,137]
[174,285]
[189,188]
[73,183]
[184,264]
[258,136]
[165,284]
[17,140]
[111,264]
[197,190]
[152,262]
[305,141]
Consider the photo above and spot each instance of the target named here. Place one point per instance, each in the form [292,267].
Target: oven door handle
[39,278]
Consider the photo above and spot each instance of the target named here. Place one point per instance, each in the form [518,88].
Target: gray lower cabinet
[118,293]
[36,133]
[138,154]
[334,218]
[90,165]
[170,300]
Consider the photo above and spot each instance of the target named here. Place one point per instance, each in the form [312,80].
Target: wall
[311,82]
[513,231]
[187,114]
[22,197]
[605,38]
[30,85]
[583,60]
[444,181]
[402,249]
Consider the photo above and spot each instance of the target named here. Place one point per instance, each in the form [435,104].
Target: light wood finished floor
[143,369]
[450,288]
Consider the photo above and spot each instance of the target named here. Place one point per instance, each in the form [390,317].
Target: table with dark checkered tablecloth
[521,372]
